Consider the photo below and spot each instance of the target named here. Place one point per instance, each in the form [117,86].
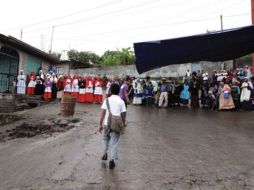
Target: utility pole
[221,22]
[42,42]
[252,15]
[21,34]
[51,42]
[221,28]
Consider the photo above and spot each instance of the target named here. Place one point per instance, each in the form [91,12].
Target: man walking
[124,92]
[163,101]
[117,108]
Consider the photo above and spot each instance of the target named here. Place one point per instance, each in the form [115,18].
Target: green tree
[128,56]
[73,55]
[83,56]
[124,56]
[119,57]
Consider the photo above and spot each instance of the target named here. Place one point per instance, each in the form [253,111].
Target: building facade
[16,55]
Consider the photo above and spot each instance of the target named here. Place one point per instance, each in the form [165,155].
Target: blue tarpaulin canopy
[217,46]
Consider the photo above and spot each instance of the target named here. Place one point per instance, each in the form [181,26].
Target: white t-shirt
[117,106]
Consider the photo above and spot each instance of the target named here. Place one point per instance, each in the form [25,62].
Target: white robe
[89,88]
[245,94]
[138,90]
[67,88]
[98,89]
[21,85]
[31,84]
[75,87]
[53,80]
[82,91]
[108,87]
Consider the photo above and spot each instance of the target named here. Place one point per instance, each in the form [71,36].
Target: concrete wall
[168,71]
[7,103]
[45,66]
[210,66]
[22,61]
[63,69]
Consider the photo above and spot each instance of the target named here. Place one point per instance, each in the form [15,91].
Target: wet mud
[162,149]
[9,118]
[44,127]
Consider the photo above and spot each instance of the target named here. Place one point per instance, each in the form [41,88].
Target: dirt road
[176,149]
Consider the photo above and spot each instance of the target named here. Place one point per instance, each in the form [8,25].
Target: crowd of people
[50,86]
[224,90]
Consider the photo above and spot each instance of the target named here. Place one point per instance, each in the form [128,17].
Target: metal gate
[8,71]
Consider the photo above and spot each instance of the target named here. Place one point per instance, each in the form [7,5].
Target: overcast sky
[99,25]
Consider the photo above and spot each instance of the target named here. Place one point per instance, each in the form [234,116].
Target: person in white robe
[21,84]
[138,93]
[245,97]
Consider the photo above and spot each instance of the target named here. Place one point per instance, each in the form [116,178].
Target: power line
[182,14]
[230,6]
[68,15]
[97,16]
[108,13]
[145,27]
[93,17]
[164,25]
[125,9]
[150,26]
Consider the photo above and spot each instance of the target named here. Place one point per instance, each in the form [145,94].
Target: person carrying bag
[112,123]
[115,123]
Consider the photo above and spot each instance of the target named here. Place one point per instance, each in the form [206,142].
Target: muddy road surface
[162,149]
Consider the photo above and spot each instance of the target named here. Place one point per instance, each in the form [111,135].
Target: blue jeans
[107,135]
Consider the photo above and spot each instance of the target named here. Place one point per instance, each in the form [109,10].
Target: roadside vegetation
[124,56]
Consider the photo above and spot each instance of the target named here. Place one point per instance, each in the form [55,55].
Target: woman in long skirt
[194,93]
[67,85]
[31,84]
[225,99]
[48,88]
[39,87]
[82,91]
[54,88]
[246,95]
[98,93]
[89,90]
[75,87]
[185,94]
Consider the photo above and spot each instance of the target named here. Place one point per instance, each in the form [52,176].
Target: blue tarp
[217,46]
